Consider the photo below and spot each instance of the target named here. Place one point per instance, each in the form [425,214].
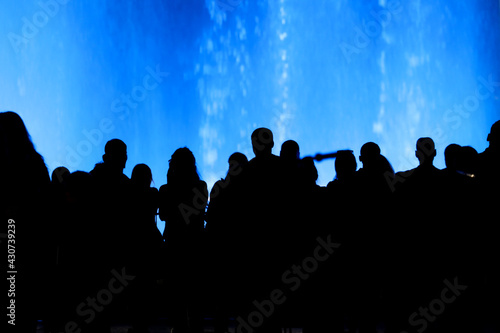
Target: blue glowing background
[204,73]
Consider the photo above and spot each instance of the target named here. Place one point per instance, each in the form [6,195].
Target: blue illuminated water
[203,74]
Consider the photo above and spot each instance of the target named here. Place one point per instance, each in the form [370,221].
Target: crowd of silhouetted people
[266,249]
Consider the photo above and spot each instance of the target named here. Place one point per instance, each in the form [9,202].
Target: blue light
[329,74]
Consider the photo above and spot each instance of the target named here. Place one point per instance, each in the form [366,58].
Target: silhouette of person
[418,192]
[366,246]
[310,173]
[110,171]
[225,216]
[462,247]
[317,217]
[375,166]
[299,178]
[293,174]
[263,176]
[25,187]
[59,180]
[59,175]
[424,181]
[453,180]
[426,174]
[112,204]
[450,157]
[148,257]
[488,175]
[57,231]
[146,197]
[263,172]
[290,152]
[112,190]
[345,172]
[182,206]
[220,211]
[261,241]
[343,193]
[489,162]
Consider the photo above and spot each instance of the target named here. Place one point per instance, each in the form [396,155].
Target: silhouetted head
[450,156]
[141,176]
[310,171]
[290,151]
[15,140]
[262,141]
[369,154]
[182,167]
[59,175]
[345,165]
[115,154]
[237,161]
[426,151]
[494,136]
